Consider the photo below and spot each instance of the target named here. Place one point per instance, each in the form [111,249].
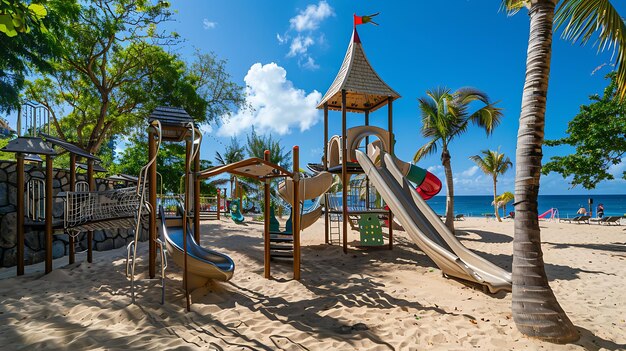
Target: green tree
[170,162]
[29,42]
[115,70]
[493,163]
[536,311]
[234,152]
[598,133]
[257,144]
[445,116]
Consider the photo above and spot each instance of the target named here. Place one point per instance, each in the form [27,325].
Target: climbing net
[84,207]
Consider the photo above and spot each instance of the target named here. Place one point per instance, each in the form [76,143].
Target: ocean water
[568,205]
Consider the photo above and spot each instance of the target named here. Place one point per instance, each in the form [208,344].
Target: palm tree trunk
[495,195]
[445,161]
[536,311]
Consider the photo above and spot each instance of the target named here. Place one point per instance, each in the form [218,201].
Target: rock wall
[34,235]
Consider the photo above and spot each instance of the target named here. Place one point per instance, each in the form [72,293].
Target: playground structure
[357,88]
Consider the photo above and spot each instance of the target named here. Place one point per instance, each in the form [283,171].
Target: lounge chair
[610,220]
[577,219]
[459,217]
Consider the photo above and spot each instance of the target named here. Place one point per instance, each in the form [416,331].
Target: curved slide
[427,230]
[310,188]
[235,212]
[428,185]
[202,264]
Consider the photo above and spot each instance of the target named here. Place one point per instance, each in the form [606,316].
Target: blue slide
[202,264]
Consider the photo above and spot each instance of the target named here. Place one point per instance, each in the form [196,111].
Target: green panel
[371,230]
[274,225]
[416,174]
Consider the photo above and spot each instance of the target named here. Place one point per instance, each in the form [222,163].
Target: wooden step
[281,247]
[281,254]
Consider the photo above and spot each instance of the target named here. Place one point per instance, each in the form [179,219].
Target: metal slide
[427,230]
[202,264]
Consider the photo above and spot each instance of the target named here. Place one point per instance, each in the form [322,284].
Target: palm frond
[583,18]
[487,117]
[428,149]
[512,6]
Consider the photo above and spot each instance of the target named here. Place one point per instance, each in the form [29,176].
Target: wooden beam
[266,223]
[391,152]
[325,144]
[296,213]
[219,201]
[344,172]
[72,251]
[92,187]
[20,212]
[211,172]
[48,212]
[152,191]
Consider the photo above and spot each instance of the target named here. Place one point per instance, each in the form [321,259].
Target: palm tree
[234,152]
[493,163]
[445,116]
[536,311]
[504,199]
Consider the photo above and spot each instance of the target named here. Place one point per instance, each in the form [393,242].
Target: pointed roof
[365,90]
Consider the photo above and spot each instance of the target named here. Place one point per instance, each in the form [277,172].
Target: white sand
[398,295]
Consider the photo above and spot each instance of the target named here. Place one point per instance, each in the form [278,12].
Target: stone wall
[34,236]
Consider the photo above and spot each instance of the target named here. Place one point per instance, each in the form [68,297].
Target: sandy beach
[366,300]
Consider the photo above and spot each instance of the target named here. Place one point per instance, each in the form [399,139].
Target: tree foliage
[493,163]
[29,41]
[115,70]
[257,144]
[598,133]
[170,163]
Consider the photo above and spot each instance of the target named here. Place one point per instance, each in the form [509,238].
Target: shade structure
[174,122]
[29,145]
[365,90]
[96,167]
[69,147]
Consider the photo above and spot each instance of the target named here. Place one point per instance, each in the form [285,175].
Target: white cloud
[208,24]
[302,30]
[276,105]
[618,170]
[309,63]
[309,19]
[470,172]
[300,45]
[435,169]
[205,128]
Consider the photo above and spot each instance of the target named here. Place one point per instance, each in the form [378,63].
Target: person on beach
[582,210]
[600,210]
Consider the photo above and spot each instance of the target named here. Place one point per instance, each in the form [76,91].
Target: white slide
[427,230]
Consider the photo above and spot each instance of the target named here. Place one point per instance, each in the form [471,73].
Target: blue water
[568,205]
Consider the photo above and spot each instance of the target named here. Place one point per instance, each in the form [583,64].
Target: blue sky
[288,53]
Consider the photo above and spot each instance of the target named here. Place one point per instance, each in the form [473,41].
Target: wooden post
[188,144]
[152,191]
[367,180]
[72,253]
[296,213]
[196,197]
[20,212]
[392,153]
[48,213]
[266,223]
[92,187]
[219,202]
[325,160]
[344,172]
[325,144]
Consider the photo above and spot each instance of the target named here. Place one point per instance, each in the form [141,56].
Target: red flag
[357,20]
[365,19]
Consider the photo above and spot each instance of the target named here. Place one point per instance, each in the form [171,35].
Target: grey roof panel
[29,145]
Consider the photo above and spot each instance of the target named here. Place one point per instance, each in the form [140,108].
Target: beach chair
[610,220]
[577,219]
